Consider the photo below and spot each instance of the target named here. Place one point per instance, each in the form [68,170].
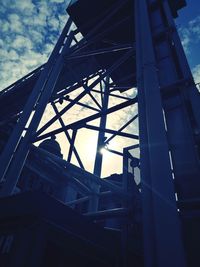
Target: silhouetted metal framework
[116,49]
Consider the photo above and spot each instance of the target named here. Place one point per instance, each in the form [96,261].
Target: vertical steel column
[185,68]
[17,149]
[181,103]
[161,227]
[101,135]
[93,204]
[124,230]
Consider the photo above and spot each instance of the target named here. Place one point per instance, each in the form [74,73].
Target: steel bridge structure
[118,74]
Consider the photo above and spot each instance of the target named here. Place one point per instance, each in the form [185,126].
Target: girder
[124,44]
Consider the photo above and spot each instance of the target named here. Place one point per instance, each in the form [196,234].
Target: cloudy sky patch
[28,31]
[30,28]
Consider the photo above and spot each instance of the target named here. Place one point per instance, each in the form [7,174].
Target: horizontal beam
[78,201]
[81,123]
[112,49]
[105,214]
[92,127]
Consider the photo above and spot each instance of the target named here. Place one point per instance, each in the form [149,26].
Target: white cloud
[185,39]
[190,34]
[36,36]
[53,23]
[195,25]
[21,41]
[196,73]
[4,25]
[57,1]
[15,23]
[13,55]
[25,6]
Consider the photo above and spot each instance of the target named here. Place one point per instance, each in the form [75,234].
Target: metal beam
[112,49]
[163,244]
[106,214]
[71,141]
[119,132]
[114,132]
[81,123]
[106,73]
[13,156]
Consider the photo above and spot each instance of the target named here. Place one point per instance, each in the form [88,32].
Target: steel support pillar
[163,245]
[193,93]
[181,101]
[101,135]
[93,204]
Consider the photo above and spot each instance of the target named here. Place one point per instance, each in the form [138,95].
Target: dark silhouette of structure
[55,213]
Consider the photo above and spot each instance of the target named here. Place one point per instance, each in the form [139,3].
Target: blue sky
[188,24]
[30,28]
